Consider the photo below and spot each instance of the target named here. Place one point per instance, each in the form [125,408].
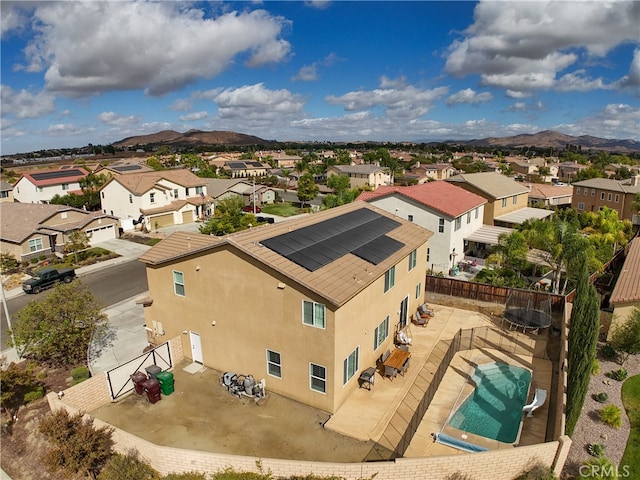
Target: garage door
[162,220]
[97,235]
[187,217]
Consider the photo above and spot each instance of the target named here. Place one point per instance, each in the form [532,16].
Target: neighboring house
[625,297]
[449,212]
[163,198]
[245,168]
[221,188]
[306,304]
[523,167]
[567,171]
[42,185]
[281,159]
[29,230]
[506,199]
[550,196]
[123,167]
[6,191]
[593,194]
[425,172]
[360,176]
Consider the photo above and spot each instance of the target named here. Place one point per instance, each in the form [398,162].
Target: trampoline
[528,314]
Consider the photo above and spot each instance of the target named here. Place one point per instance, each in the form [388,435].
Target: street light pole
[6,312]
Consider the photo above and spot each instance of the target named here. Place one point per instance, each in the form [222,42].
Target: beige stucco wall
[255,309]
[621,313]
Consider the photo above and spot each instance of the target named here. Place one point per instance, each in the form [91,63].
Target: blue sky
[75,73]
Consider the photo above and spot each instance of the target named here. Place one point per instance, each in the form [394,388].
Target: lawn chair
[404,367]
[390,372]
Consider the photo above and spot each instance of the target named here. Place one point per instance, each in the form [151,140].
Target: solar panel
[361,232]
[127,168]
[236,164]
[57,174]
[255,164]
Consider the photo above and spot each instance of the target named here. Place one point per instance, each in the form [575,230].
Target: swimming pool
[494,409]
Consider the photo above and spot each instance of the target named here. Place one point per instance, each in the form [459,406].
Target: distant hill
[549,138]
[192,138]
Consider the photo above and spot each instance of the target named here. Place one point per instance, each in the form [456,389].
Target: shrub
[80,374]
[595,367]
[537,472]
[595,449]
[619,374]
[601,397]
[125,467]
[15,383]
[42,257]
[611,415]
[33,394]
[607,352]
[34,260]
[599,468]
[8,263]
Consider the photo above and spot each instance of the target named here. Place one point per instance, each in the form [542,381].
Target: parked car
[47,277]
[249,208]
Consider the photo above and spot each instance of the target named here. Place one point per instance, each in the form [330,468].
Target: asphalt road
[110,285]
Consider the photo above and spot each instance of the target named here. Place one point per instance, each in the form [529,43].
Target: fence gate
[119,378]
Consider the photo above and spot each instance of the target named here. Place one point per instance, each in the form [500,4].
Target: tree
[8,263]
[307,189]
[126,467]
[228,218]
[78,447]
[626,337]
[583,337]
[511,251]
[78,240]
[57,330]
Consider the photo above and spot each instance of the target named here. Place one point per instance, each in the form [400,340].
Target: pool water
[494,410]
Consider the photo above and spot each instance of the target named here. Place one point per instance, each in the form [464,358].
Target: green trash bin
[166,382]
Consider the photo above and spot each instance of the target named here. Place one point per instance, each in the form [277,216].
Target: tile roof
[361,169]
[549,191]
[627,287]
[5,186]
[440,195]
[75,174]
[493,184]
[337,282]
[218,186]
[622,186]
[140,183]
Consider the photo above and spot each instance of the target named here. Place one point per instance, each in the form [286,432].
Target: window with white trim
[178,283]
[413,260]
[458,224]
[318,378]
[35,244]
[65,186]
[186,191]
[504,203]
[389,279]
[313,314]
[199,190]
[609,196]
[617,198]
[38,189]
[577,190]
[477,212]
[593,192]
[152,197]
[274,367]
[515,200]
[428,254]
[410,218]
[441,225]
[130,198]
[350,365]
[175,193]
[381,333]
[601,195]
[418,289]
[468,218]
[580,206]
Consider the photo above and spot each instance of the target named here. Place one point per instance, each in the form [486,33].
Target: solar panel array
[57,174]
[254,164]
[236,164]
[361,232]
[126,168]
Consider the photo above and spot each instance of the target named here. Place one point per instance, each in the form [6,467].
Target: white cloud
[182,105]
[578,81]
[24,104]
[307,73]
[468,95]
[616,120]
[14,18]
[91,47]
[120,121]
[318,4]
[522,46]
[192,117]
[66,129]
[257,103]
[631,81]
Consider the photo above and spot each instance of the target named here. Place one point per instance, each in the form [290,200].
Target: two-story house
[450,212]
[550,196]
[306,304]
[361,176]
[593,194]
[506,199]
[245,168]
[31,229]
[567,171]
[41,186]
[6,191]
[156,199]
[221,188]
[426,172]
[625,297]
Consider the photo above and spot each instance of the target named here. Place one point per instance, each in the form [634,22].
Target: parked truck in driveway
[47,277]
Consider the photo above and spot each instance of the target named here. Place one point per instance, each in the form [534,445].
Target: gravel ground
[590,429]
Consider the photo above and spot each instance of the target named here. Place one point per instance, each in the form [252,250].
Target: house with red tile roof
[625,297]
[549,196]
[450,212]
[40,186]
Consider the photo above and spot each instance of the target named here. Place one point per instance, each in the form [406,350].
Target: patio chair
[385,355]
[420,320]
[404,348]
[404,367]
[390,372]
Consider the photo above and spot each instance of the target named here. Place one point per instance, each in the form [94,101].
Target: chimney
[633,181]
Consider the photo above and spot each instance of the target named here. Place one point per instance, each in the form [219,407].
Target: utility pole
[6,313]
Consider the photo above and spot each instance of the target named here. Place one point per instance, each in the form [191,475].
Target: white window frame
[577,190]
[175,193]
[617,198]
[199,190]
[65,186]
[316,309]
[321,380]
[410,218]
[389,279]
[152,197]
[418,289]
[441,225]
[413,259]
[609,196]
[504,202]
[580,205]
[477,212]
[515,200]
[34,243]
[428,253]
[381,333]
[350,366]
[130,198]
[274,363]
[468,218]
[178,282]
[458,224]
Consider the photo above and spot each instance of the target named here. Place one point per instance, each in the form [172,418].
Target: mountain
[192,138]
[552,139]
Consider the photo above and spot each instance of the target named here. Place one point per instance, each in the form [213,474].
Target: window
[178,283]
[586,192]
[389,279]
[477,212]
[38,189]
[593,192]
[617,198]
[198,190]
[609,196]
[428,254]
[4,194]
[577,190]
[175,193]
[152,197]
[580,206]
[515,200]
[35,244]
[318,378]
[381,333]
[65,186]
[418,290]
[410,218]
[186,191]
[102,194]
[350,366]
[601,195]
[313,314]
[413,257]
[274,367]
[468,218]
[441,225]
[504,203]
[130,198]
[458,224]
